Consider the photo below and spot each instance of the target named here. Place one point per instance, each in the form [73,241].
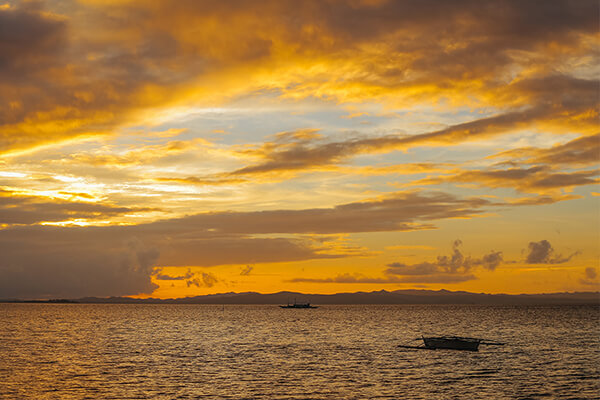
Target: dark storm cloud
[542,252]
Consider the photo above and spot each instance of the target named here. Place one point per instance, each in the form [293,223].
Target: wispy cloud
[536,179]
[21,209]
[584,150]
[246,270]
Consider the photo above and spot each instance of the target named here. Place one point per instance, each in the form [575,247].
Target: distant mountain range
[377,297]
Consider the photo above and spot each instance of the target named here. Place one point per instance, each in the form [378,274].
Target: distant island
[377,297]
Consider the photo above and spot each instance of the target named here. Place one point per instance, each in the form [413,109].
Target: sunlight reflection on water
[109,351]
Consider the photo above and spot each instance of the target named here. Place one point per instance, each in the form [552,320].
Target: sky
[155,148]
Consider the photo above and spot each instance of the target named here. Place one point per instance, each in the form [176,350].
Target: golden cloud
[117,63]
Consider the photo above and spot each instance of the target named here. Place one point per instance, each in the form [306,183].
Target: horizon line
[430,291]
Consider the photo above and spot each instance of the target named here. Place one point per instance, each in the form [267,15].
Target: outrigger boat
[298,305]
[452,342]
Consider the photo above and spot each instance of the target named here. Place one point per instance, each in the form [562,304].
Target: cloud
[410,246]
[454,268]
[246,270]
[590,277]
[22,209]
[591,273]
[305,152]
[283,160]
[456,263]
[205,279]
[45,261]
[314,153]
[29,39]
[145,155]
[49,262]
[541,200]
[103,65]
[534,179]
[161,277]
[401,211]
[531,170]
[542,252]
[202,279]
[81,69]
[492,260]
[56,267]
[390,279]
[584,150]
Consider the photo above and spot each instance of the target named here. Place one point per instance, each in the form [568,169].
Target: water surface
[112,351]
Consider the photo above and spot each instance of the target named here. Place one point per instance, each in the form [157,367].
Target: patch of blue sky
[423,154]
[423,119]
[237,126]
[243,123]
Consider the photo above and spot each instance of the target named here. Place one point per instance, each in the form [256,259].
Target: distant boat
[298,305]
[452,342]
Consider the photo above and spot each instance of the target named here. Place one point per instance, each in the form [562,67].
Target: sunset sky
[178,148]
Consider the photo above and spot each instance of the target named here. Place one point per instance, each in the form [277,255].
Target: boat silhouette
[298,305]
[452,343]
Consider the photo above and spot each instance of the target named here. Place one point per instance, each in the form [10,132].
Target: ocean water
[111,351]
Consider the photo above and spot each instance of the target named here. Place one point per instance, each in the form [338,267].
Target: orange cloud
[585,150]
[535,179]
[59,80]
[19,209]
[79,261]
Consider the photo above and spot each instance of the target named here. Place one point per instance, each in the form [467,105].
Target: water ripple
[78,351]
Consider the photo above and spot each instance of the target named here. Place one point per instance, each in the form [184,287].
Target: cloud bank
[47,261]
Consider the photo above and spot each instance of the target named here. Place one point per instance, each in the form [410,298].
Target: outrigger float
[452,343]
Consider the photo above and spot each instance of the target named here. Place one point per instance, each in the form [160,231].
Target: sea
[162,351]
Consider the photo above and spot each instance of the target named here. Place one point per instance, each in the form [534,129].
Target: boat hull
[298,306]
[453,343]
